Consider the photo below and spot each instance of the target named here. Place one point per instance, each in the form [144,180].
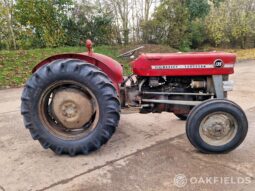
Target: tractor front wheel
[70,106]
[216,126]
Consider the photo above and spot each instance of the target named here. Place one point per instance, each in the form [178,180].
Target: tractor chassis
[217,87]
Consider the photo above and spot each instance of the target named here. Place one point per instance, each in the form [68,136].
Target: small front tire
[216,126]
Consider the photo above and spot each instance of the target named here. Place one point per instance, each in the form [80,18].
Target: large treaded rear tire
[202,111]
[83,73]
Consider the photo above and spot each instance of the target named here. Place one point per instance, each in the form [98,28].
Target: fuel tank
[184,64]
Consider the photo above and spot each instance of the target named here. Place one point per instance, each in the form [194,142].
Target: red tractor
[72,102]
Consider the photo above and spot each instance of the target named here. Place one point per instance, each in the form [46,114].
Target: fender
[109,66]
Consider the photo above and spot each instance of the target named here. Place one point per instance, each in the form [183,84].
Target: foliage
[7,36]
[232,23]
[197,33]
[170,24]
[45,18]
[89,22]
[182,24]
[198,8]
[215,23]
[179,23]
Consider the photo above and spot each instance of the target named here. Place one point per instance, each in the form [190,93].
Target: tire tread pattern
[95,76]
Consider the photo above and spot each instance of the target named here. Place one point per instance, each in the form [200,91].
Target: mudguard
[109,66]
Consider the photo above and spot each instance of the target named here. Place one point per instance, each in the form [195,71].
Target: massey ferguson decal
[160,67]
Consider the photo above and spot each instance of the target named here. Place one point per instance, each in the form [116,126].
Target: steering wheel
[130,52]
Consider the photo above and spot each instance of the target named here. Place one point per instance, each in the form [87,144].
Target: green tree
[89,21]
[170,24]
[241,21]
[216,22]
[7,31]
[198,8]
[45,18]
[233,22]
[197,33]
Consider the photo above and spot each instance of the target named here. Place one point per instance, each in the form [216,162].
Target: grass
[16,66]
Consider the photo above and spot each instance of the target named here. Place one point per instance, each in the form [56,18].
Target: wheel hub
[218,128]
[69,110]
[72,108]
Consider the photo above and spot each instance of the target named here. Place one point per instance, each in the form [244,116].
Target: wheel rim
[218,128]
[68,110]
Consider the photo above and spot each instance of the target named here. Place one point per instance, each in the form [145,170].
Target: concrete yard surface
[148,152]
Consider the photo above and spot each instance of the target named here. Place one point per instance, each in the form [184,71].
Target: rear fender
[109,66]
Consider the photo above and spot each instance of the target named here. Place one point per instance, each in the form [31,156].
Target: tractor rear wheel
[216,126]
[70,106]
